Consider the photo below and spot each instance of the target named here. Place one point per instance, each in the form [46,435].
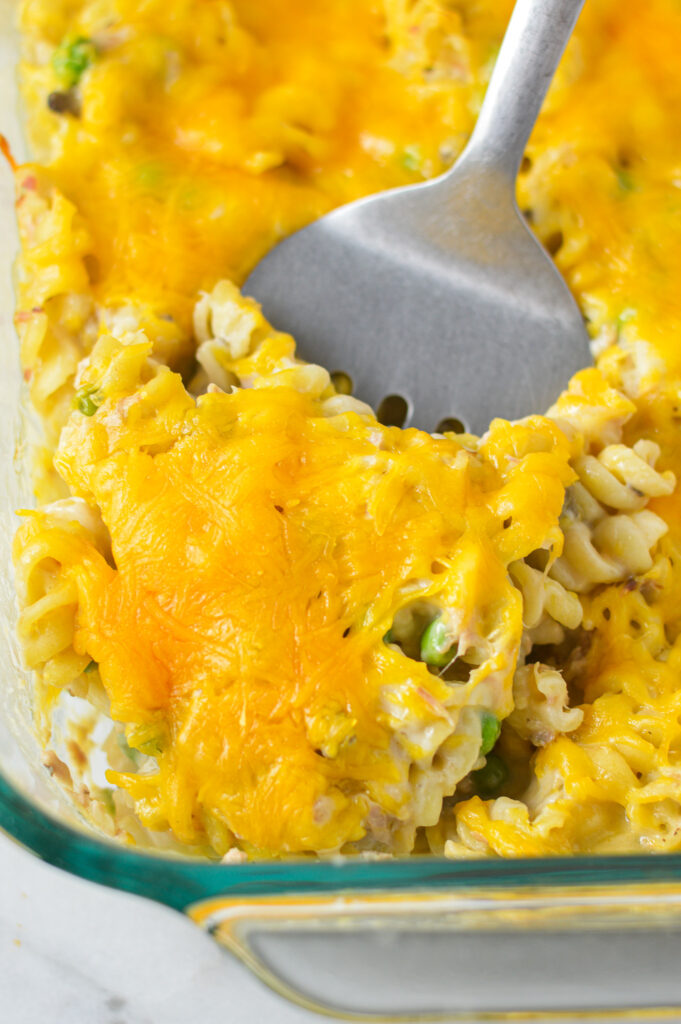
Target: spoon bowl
[436,300]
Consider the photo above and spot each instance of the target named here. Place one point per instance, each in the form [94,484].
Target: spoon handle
[535,39]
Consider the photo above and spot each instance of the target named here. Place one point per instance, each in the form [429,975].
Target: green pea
[436,644]
[490,727]
[150,175]
[410,158]
[490,779]
[71,59]
[130,752]
[625,179]
[152,748]
[106,796]
[87,401]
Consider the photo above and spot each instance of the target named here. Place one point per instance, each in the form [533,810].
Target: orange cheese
[261,552]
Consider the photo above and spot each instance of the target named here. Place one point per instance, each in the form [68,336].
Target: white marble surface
[72,952]
[76,953]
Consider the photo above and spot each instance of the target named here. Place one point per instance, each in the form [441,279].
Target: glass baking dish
[365,939]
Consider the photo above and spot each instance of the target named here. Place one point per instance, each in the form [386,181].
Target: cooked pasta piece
[548,608]
[609,534]
[55,312]
[47,541]
[239,348]
[541,708]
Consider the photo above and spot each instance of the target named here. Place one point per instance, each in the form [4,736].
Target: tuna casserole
[286,627]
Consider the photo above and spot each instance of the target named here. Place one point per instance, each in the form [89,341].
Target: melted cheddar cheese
[209,131]
[276,553]
[261,553]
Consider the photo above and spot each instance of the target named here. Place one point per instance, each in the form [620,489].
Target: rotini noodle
[609,535]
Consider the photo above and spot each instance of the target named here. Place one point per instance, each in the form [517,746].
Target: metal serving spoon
[436,299]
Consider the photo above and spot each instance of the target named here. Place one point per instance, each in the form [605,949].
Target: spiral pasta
[548,607]
[47,543]
[621,734]
[609,534]
[55,313]
[541,705]
[238,348]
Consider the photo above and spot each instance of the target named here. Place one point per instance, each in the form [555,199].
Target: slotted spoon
[436,299]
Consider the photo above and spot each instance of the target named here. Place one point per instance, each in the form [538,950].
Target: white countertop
[72,952]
